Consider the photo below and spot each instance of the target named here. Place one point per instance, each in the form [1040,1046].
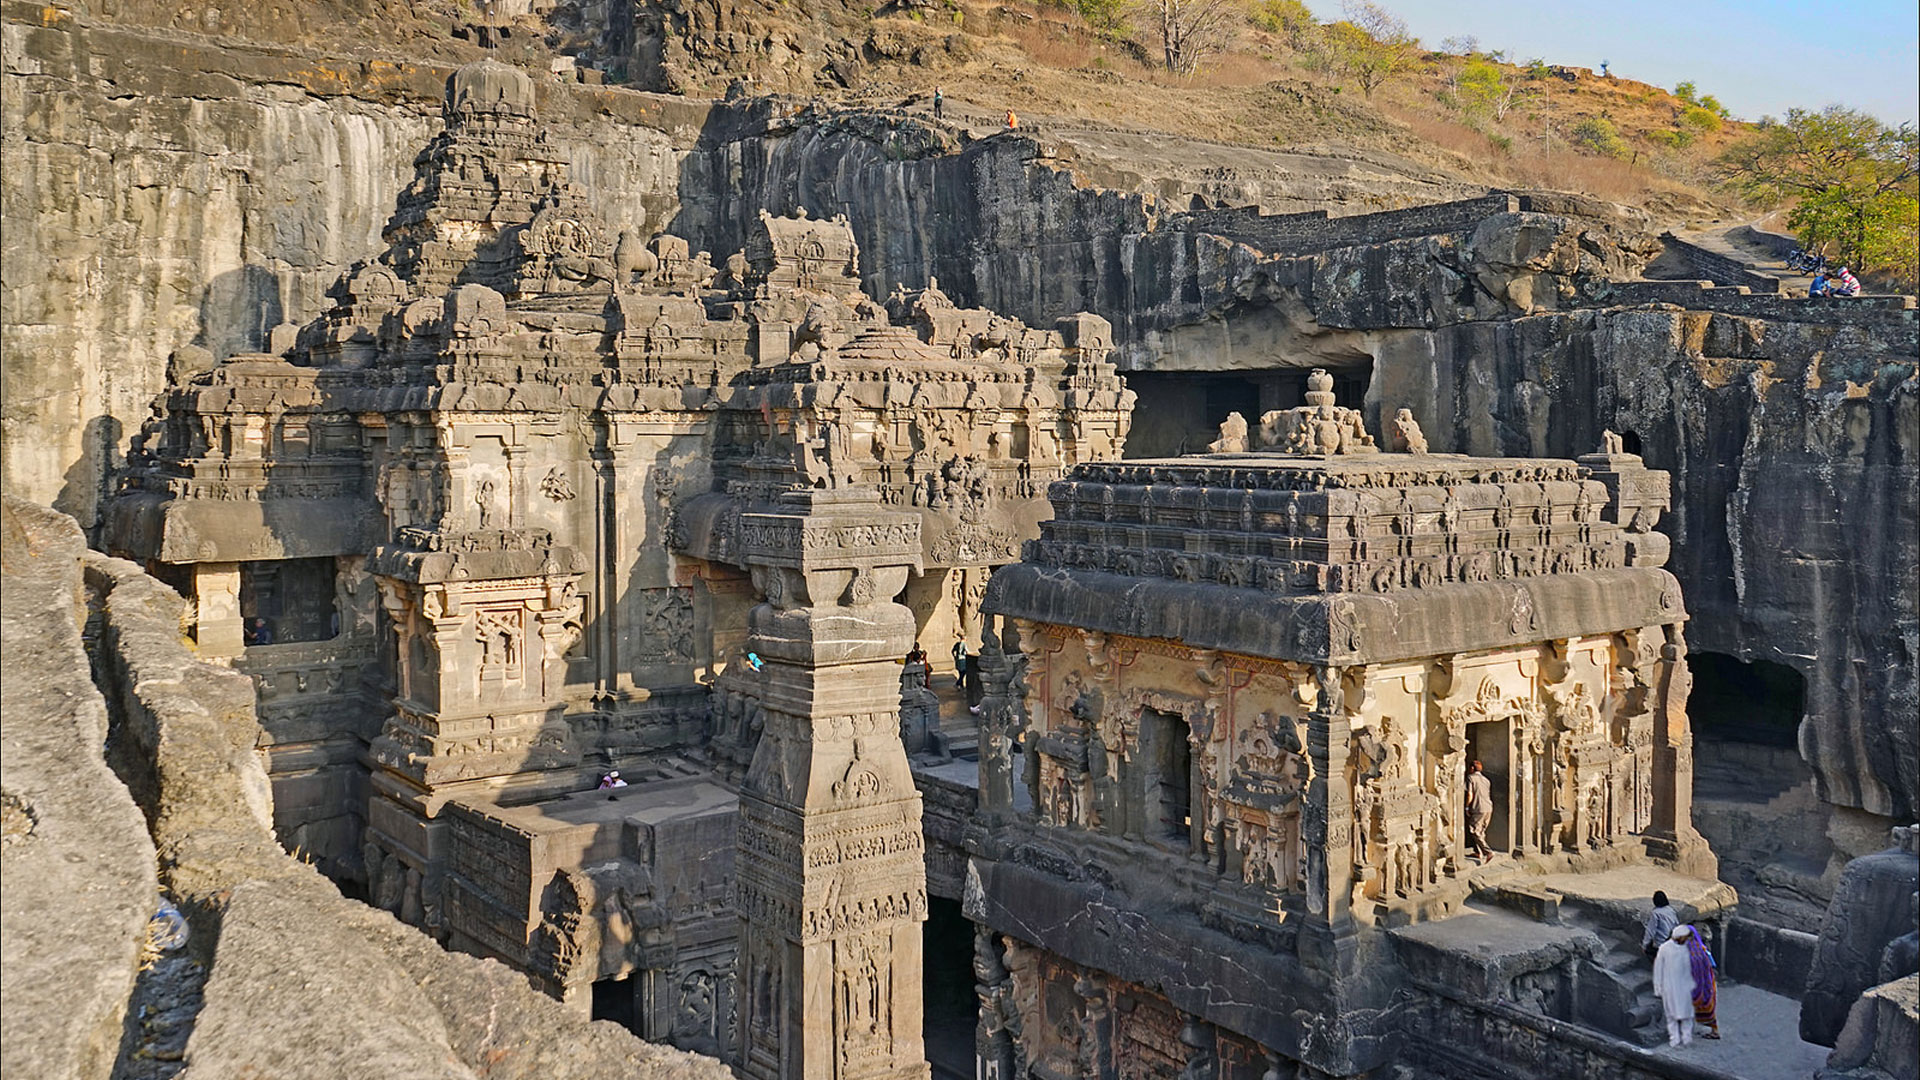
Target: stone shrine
[1245,689]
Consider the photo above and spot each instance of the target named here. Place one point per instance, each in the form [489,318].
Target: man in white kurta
[1673,985]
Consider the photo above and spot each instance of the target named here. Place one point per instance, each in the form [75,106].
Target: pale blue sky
[1758,57]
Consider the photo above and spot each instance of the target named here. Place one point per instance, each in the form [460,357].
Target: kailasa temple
[559,595]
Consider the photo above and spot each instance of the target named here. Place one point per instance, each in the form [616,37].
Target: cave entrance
[1180,412]
[950,1006]
[1746,726]
[1755,702]
[1489,743]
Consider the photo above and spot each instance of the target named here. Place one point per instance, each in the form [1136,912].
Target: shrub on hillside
[1704,119]
[1597,135]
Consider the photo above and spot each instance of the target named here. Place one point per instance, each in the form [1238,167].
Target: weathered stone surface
[1872,907]
[1882,1038]
[77,876]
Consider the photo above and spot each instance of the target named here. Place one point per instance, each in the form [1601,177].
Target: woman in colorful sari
[1706,987]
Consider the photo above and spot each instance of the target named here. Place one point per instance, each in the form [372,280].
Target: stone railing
[1885,311]
[1720,269]
[300,979]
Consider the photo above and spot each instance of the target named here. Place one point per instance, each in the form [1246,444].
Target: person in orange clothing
[1012,120]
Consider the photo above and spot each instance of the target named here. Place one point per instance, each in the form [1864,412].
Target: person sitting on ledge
[259,631]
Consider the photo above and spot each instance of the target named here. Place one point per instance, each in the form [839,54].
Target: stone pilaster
[1672,835]
[830,869]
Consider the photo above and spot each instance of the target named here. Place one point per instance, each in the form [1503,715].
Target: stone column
[218,628]
[830,871]
[1327,824]
[997,721]
[1672,835]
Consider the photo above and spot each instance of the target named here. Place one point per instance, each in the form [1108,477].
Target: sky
[1759,57]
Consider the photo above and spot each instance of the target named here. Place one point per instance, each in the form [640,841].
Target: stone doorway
[1490,742]
[613,1000]
[1169,778]
[951,1007]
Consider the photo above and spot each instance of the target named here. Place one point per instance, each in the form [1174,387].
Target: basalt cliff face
[168,201]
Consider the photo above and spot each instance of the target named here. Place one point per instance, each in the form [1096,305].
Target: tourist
[1673,985]
[1660,924]
[259,632]
[939,99]
[612,780]
[975,691]
[919,656]
[1706,985]
[1822,285]
[1012,120]
[959,661]
[1843,283]
[1479,810]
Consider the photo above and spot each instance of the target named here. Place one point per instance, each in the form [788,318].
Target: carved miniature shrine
[1248,688]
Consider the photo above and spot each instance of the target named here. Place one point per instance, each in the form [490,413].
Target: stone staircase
[1616,992]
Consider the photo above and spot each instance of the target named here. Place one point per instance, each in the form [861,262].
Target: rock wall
[77,878]
[162,195]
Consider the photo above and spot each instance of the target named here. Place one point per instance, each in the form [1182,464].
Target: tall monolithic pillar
[830,873]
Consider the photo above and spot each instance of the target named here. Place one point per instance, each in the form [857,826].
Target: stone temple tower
[831,879]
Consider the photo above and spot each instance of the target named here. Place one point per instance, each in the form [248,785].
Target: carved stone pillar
[217,628]
[830,872]
[1672,835]
[993,1034]
[1328,821]
[997,722]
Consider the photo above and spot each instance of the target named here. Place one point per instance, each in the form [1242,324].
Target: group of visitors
[966,672]
[1839,282]
[1685,977]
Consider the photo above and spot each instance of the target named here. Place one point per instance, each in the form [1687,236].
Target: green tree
[1107,18]
[1704,119]
[1684,92]
[1485,89]
[1292,20]
[1597,135]
[1372,44]
[1855,183]
[1712,105]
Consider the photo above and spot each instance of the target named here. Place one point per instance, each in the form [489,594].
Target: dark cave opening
[1180,412]
[1757,702]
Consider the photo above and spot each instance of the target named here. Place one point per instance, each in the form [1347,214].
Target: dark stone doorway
[951,1006]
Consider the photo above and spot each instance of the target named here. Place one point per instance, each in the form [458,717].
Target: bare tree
[1193,30]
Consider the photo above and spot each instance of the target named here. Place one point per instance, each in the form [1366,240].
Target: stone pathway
[1760,1038]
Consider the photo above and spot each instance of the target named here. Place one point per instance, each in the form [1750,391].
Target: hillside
[1105,96]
